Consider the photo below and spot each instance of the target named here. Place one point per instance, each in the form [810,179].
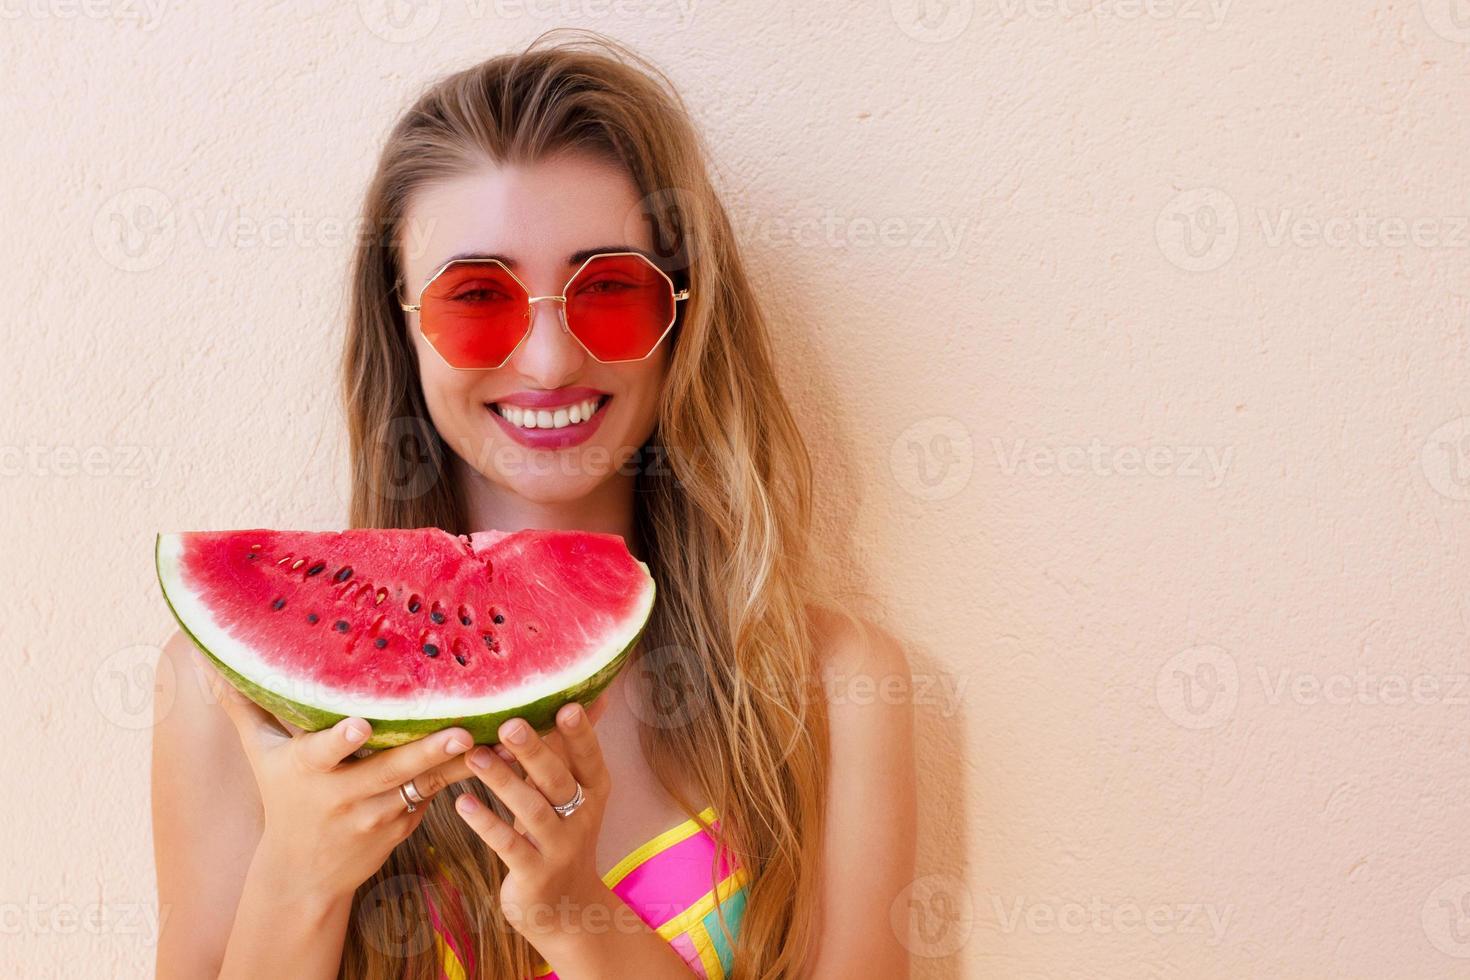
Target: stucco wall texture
[1131,338]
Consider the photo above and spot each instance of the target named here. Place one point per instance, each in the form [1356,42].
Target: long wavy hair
[723,502]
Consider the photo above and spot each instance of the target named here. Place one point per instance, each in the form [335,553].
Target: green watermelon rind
[390,732]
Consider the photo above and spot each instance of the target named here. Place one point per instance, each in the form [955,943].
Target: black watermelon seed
[499,619]
[437,616]
[431,650]
[340,626]
[413,605]
[460,659]
[312,617]
[278,604]
[252,556]
[316,569]
[489,641]
[464,616]
[380,642]
[343,574]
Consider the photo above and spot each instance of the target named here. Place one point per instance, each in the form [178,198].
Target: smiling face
[552,424]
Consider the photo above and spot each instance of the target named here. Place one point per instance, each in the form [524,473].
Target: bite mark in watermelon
[413,630]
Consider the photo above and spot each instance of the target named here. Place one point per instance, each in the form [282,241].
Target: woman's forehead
[536,217]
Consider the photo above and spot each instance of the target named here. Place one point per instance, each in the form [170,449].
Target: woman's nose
[550,357]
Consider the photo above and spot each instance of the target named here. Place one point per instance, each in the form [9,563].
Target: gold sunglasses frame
[678,294]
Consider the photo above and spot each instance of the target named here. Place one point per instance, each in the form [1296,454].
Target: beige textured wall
[1132,338]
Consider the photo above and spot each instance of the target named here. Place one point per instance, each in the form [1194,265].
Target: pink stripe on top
[673,879]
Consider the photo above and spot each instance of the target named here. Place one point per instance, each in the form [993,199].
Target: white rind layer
[239,657]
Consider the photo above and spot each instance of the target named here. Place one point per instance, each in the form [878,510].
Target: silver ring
[570,806]
[411,796]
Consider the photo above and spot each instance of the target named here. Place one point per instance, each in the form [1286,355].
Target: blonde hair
[722,515]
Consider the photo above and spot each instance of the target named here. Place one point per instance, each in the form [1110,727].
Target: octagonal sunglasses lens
[474,314]
[619,307]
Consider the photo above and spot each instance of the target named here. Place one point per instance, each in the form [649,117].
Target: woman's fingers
[524,801]
[584,751]
[545,769]
[391,803]
[517,852]
[390,769]
[323,751]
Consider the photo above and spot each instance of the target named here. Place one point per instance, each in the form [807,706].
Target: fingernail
[354,733]
[504,753]
[456,745]
[517,733]
[467,803]
[574,716]
[479,759]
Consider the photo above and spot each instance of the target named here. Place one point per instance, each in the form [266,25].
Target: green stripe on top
[734,909]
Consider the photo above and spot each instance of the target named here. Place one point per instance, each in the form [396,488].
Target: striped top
[672,884]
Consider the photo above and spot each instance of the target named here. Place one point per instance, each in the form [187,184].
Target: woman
[557,305]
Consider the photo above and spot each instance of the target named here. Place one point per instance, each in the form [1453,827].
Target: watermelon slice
[413,630]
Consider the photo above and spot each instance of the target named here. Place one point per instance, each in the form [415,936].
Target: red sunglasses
[475,313]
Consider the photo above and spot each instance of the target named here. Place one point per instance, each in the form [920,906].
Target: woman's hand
[550,859]
[330,820]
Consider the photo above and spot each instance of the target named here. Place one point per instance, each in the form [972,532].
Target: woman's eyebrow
[576,258]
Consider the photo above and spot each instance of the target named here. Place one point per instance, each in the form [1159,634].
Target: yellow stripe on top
[664,840]
[696,912]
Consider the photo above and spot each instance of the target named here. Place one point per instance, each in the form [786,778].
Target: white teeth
[544,418]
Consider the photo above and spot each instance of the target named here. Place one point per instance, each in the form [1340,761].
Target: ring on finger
[570,806]
[411,795]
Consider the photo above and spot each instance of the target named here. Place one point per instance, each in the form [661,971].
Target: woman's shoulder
[850,646]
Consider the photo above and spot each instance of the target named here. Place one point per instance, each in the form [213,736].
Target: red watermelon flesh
[414,630]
